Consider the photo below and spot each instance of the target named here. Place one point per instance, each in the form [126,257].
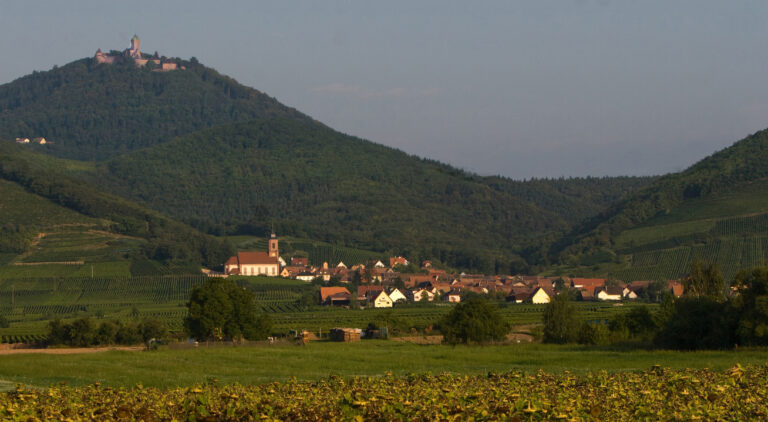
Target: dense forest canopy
[91,111]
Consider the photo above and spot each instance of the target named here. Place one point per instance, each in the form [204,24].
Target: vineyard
[655,394]
[730,254]
[666,252]
[30,303]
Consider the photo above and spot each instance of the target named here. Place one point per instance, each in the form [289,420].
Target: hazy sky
[519,88]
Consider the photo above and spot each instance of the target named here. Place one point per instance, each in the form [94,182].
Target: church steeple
[274,250]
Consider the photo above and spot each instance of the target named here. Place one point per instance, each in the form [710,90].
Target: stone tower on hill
[135,50]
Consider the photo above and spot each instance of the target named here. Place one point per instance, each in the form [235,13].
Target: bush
[596,334]
[82,333]
[639,324]
[474,321]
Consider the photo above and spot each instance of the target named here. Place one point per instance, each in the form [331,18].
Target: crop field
[332,381]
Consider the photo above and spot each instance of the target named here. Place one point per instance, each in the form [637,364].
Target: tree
[221,309]
[698,323]
[152,329]
[561,321]
[473,321]
[753,307]
[704,280]
[4,323]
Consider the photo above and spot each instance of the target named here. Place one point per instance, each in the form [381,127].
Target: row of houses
[378,296]
[520,289]
[40,141]
[431,283]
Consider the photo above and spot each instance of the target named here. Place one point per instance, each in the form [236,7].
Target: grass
[262,364]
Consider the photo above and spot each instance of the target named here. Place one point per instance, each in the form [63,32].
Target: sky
[521,89]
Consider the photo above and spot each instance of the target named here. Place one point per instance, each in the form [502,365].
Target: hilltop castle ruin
[141,60]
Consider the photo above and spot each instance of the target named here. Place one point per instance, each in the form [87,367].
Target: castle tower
[274,251]
[135,50]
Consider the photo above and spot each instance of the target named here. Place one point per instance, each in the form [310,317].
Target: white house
[420,294]
[304,276]
[341,265]
[628,294]
[378,264]
[610,293]
[540,296]
[397,296]
[453,297]
[382,300]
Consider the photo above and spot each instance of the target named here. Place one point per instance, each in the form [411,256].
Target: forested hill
[201,148]
[311,181]
[716,211]
[91,111]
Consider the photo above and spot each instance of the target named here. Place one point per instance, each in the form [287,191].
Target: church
[256,263]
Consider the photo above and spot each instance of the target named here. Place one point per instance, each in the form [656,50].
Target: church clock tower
[274,251]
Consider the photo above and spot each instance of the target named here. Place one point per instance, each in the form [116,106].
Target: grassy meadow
[282,362]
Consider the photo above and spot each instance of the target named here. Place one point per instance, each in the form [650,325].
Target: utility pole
[91,270]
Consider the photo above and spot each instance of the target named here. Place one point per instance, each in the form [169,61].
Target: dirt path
[70,351]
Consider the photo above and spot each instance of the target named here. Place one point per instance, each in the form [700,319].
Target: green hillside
[717,210]
[313,182]
[50,218]
[95,111]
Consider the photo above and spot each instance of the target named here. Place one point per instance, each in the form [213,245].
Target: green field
[267,363]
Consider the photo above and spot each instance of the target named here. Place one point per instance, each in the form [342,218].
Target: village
[383,285]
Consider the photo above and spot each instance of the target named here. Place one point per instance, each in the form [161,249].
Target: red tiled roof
[251,258]
[588,282]
[363,290]
[326,292]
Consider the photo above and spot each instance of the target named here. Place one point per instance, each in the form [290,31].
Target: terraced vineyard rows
[731,255]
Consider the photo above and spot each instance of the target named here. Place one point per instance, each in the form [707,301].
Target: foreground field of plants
[739,393]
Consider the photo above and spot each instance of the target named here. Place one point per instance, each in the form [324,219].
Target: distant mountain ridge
[199,147]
